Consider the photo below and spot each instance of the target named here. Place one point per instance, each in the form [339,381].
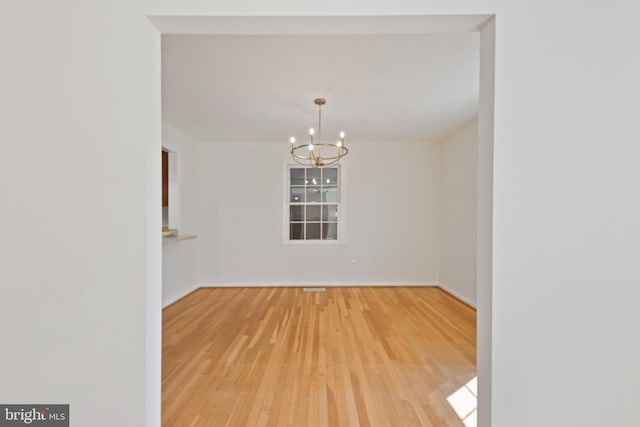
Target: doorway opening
[482,24]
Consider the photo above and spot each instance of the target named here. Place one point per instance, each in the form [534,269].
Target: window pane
[296,231]
[330,194]
[314,176]
[330,213]
[329,231]
[296,213]
[297,195]
[297,176]
[330,176]
[314,195]
[313,213]
[313,231]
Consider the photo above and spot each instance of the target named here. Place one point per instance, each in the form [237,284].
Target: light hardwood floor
[358,356]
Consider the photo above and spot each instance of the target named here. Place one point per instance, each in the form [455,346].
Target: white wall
[180,258]
[80,116]
[179,270]
[458,212]
[391,217]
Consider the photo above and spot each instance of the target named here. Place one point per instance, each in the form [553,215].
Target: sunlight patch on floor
[465,402]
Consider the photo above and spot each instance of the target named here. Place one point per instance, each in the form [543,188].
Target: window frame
[285,210]
[173,189]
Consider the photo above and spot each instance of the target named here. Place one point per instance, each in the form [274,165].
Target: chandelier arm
[341,152]
[332,160]
[313,160]
[331,163]
[299,162]
[341,147]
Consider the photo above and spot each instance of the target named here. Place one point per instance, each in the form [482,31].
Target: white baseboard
[315,285]
[179,296]
[457,295]
[310,284]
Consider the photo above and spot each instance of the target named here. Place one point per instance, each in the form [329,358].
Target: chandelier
[316,153]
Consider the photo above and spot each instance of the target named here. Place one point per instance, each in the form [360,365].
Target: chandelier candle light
[311,154]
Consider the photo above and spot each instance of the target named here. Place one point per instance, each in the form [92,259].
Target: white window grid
[313,208]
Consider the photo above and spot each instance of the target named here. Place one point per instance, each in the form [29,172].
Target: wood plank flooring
[357,356]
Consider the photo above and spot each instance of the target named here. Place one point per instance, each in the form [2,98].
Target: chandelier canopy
[316,153]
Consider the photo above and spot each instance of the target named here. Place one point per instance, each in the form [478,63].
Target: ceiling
[379,87]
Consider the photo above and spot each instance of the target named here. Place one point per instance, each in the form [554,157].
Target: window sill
[314,245]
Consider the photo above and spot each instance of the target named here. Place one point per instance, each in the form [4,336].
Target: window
[313,204]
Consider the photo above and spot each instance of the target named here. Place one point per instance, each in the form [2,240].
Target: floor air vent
[313,289]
